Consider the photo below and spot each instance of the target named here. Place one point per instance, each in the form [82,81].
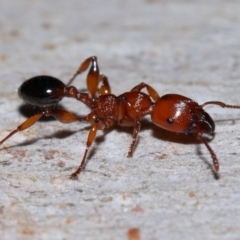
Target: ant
[172,112]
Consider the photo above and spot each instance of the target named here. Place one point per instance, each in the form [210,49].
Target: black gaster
[42,91]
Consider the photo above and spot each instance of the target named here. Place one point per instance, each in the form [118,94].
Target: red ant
[172,112]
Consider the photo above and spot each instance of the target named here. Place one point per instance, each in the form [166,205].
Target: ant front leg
[136,130]
[151,91]
[126,110]
[199,133]
[61,115]
[213,155]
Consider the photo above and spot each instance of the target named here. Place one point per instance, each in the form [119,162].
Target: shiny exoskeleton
[172,112]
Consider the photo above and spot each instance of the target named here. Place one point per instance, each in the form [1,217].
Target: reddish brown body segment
[172,112]
[180,114]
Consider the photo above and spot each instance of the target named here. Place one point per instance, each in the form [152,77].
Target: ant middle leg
[151,91]
[91,137]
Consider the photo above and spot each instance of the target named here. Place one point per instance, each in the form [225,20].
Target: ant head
[206,123]
[180,114]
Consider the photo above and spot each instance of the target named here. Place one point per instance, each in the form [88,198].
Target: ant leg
[137,125]
[61,115]
[91,137]
[93,74]
[136,130]
[64,116]
[214,157]
[72,92]
[221,104]
[151,91]
[83,67]
[105,88]
[128,116]
[26,124]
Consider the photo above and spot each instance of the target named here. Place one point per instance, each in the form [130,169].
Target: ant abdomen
[42,91]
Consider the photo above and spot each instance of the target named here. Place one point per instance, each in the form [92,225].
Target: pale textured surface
[167,189]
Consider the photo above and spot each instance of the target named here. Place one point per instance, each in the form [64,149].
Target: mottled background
[167,190]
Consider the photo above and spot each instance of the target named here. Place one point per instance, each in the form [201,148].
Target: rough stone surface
[167,189]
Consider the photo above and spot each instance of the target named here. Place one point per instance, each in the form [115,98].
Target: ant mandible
[172,112]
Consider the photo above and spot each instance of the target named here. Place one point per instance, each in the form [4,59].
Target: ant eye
[170,120]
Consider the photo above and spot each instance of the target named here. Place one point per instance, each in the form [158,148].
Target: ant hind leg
[105,87]
[26,124]
[61,115]
[93,76]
